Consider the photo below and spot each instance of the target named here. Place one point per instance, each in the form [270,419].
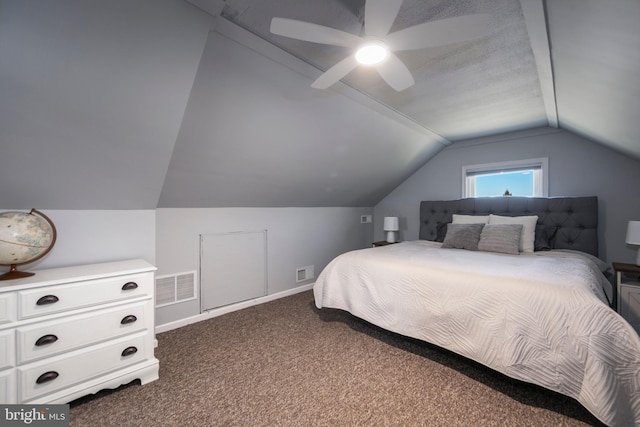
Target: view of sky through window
[519,183]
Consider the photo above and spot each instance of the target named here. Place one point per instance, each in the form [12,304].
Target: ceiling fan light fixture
[373,48]
[372,54]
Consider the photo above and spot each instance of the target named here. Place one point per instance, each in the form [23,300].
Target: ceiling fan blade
[439,33]
[395,73]
[335,73]
[312,32]
[379,16]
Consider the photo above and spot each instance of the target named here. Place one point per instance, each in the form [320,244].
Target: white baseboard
[230,308]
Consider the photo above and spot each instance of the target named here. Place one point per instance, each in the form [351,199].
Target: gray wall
[577,167]
[94,236]
[296,237]
[169,239]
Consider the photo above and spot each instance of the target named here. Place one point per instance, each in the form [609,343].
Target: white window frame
[540,180]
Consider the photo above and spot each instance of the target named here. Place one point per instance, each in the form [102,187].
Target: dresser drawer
[7,349]
[56,299]
[57,373]
[73,332]
[8,386]
[7,308]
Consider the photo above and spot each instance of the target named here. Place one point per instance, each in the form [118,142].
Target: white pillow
[470,219]
[528,230]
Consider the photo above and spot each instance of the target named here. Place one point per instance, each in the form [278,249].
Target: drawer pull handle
[129,286]
[48,299]
[128,319]
[46,339]
[129,351]
[46,377]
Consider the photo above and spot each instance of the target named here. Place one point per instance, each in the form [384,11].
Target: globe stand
[13,273]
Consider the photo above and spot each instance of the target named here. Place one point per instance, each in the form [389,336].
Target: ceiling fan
[377,46]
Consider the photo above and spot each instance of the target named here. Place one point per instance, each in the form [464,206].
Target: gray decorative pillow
[502,238]
[528,232]
[463,236]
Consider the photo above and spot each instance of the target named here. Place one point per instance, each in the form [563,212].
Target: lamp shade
[633,233]
[391,223]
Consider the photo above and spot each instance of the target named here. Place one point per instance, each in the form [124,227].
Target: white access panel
[233,268]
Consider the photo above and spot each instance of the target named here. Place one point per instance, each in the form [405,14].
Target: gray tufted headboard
[563,222]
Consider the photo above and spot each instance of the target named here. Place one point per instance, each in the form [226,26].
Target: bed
[540,315]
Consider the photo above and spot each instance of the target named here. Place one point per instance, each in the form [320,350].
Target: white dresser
[68,332]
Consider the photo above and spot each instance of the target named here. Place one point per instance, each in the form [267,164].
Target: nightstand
[382,243]
[628,284]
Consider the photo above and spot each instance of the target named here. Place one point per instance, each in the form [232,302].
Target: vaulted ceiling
[113,104]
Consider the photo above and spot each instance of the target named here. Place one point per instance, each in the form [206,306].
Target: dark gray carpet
[285,363]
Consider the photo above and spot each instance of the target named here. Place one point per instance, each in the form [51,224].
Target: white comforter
[540,319]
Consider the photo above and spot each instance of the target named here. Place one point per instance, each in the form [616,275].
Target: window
[516,178]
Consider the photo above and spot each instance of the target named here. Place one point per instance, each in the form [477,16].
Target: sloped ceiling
[596,66]
[255,134]
[570,63]
[92,94]
[168,103]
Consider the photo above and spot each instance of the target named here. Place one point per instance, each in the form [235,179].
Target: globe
[24,238]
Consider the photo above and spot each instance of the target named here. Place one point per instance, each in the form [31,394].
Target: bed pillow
[528,235]
[545,237]
[462,236]
[502,238]
[470,219]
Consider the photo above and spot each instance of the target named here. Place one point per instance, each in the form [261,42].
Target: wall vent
[305,273]
[175,288]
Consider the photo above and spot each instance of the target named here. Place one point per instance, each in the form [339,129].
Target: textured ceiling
[462,90]
[495,83]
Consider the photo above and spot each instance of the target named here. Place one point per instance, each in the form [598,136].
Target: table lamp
[633,236]
[391,225]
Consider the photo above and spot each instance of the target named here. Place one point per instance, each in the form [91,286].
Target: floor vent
[175,288]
